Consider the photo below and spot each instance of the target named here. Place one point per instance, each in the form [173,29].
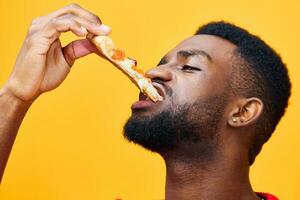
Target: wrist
[12,99]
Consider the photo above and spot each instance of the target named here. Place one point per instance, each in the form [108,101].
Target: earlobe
[233,119]
[234,122]
[246,112]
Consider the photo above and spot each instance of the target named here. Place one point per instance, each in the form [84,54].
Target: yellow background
[70,145]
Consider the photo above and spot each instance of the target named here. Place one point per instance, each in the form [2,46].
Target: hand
[42,63]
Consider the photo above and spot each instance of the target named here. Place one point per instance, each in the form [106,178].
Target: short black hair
[262,75]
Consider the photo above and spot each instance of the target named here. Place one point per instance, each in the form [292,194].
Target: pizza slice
[127,65]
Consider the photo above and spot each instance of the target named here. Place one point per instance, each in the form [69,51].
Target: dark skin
[199,67]
[43,64]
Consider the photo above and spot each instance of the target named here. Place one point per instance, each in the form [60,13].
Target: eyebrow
[186,54]
[194,52]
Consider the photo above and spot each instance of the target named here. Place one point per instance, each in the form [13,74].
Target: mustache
[168,89]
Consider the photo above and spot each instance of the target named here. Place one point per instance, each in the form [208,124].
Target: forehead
[219,49]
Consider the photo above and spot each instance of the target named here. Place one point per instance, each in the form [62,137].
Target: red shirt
[266,196]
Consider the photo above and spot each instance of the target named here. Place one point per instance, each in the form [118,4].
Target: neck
[218,178]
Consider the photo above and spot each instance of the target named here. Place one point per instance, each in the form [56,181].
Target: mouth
[145,102]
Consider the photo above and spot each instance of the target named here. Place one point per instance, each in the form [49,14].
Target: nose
[159,72]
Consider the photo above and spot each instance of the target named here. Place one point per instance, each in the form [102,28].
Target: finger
[58,25]
[78,26]
[77,10]
[92,28]
[78,49]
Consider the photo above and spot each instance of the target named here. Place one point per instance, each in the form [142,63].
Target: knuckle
[35,20]
[65,20]
[29,42]
[67,16]
[34,27]
[31,30]
[73,6]
[97,19]
[53,21]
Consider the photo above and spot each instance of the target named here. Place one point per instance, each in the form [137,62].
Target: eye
[189,68]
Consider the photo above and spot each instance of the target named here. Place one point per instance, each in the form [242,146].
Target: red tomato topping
[118,54]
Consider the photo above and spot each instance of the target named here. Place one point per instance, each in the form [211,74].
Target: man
[224,92]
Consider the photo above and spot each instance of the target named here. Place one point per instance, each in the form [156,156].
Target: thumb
[78,49]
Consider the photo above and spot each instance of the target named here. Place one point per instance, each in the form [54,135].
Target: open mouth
[145,102]
[143,97]
[160,90]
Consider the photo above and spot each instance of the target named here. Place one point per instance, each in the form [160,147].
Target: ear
[245,112]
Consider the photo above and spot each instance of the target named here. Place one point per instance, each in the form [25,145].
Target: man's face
[193,79]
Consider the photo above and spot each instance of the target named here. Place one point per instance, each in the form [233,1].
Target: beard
[188,130]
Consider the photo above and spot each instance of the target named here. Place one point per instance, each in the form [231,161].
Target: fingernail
[104,29]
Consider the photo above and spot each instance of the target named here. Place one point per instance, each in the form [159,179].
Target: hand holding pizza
[42,63]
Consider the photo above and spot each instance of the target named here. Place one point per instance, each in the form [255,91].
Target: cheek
[217,82]
[190,89]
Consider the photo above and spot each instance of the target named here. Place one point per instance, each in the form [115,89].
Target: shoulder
[266,196]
